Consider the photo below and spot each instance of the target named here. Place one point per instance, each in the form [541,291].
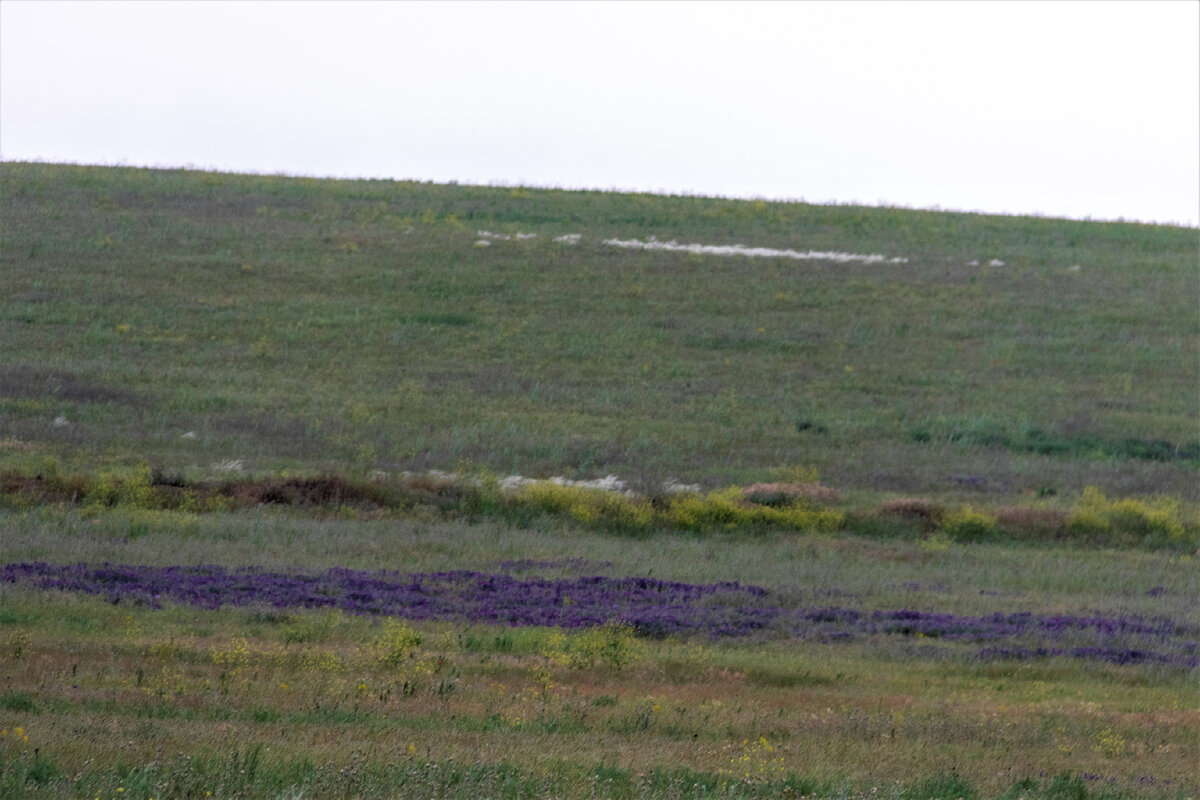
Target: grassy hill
[232,564]
[315,325]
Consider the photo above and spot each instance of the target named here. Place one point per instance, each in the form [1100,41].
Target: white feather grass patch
[753,252]
[504,237]
[512,483]
[609,483]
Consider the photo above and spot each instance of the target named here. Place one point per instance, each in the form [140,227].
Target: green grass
[203,368]
[179,699]
[294,324]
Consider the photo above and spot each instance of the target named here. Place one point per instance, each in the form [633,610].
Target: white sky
[1079,109]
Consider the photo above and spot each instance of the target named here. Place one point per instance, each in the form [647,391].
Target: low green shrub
[588,506]
[614,645]
[311,628]
[725,508]
[396,644]
[1151,520]
[121,488]
[968,524]
[17,701]
[729,508]
[940,787]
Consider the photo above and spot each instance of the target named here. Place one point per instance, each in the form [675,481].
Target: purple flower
[653,607]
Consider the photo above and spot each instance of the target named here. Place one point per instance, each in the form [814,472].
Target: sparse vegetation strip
[1092,519]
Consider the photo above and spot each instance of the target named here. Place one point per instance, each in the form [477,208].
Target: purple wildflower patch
[1117,640]
[653,607]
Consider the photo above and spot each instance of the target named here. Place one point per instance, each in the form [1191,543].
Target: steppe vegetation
[918,520]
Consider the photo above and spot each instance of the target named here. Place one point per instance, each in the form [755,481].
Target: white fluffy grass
[487,237]
[609,483]
[753,252]
[503,237]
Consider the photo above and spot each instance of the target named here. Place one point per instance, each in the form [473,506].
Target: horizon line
[661,192]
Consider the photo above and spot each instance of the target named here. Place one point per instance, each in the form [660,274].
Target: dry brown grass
[527,709]
[1033,520]
[783,494]
[914,508]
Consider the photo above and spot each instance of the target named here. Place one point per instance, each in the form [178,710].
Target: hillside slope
[198,321]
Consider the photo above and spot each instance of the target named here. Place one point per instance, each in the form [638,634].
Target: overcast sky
[1079,109]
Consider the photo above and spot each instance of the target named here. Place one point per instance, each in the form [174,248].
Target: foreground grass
[158,702]
[263,702]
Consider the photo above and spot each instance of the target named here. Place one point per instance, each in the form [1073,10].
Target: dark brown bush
[786,494]
[914,508]
[1038,520]
[326,490]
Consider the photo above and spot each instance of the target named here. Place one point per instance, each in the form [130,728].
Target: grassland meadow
[377,489]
